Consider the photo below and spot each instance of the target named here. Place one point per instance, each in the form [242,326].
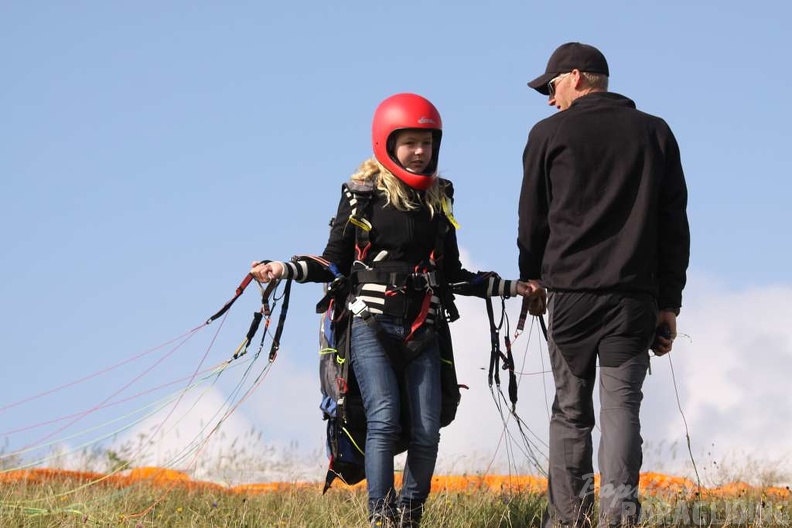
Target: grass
[44,505]
[50,499]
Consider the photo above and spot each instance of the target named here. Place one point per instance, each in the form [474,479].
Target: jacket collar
[600,98]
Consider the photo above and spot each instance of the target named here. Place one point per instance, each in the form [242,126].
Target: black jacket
[603,202]
[409,238]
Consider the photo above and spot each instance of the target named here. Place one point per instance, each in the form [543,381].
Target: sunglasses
[553,81]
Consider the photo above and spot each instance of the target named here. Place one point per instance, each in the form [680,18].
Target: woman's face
[413,149]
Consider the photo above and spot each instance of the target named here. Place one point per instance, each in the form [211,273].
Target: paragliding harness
[342,405]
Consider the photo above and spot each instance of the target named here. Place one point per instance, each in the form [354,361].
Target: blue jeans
[379,388]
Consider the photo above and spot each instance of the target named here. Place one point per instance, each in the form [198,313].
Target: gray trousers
[617,330]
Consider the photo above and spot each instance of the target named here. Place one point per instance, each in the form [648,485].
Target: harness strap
[509,363]
[524,316]
[436,260]
[496,355]
[254,325]
[265,295]
[494,371]
[239,291]
[419,320]
[266,312]
[281,320]
[358,202]
[415,281]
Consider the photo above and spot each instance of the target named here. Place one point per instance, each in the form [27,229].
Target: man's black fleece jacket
[603,202]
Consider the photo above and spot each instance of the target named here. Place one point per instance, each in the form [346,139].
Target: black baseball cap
[568,57]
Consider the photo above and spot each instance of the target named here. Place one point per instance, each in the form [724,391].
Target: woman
[398,249]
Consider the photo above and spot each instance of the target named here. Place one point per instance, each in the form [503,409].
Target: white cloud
[732,375]
[187,437]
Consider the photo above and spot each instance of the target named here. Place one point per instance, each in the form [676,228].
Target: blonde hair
[596,81]
[397,193]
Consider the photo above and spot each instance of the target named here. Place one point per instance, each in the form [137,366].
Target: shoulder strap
[447,217]
[448,203]
[359,194]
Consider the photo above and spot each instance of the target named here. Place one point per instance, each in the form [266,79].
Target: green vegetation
[58,505]
[74,502]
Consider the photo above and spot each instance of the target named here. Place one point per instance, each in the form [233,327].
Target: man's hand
[665,333]
[536,295]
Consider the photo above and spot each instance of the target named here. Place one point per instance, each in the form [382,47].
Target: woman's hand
[536,295]
[265,272]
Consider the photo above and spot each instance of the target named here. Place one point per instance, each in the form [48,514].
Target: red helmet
[400,112]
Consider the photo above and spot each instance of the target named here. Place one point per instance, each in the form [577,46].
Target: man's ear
[578,81]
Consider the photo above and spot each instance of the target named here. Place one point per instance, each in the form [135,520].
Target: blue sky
[149,152]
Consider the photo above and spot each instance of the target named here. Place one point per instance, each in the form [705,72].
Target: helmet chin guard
[401,112]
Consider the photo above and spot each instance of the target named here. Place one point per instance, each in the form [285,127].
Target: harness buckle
[358,307]
[432,279]
[423,281]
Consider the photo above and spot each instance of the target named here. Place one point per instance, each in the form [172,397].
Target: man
[603,227]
